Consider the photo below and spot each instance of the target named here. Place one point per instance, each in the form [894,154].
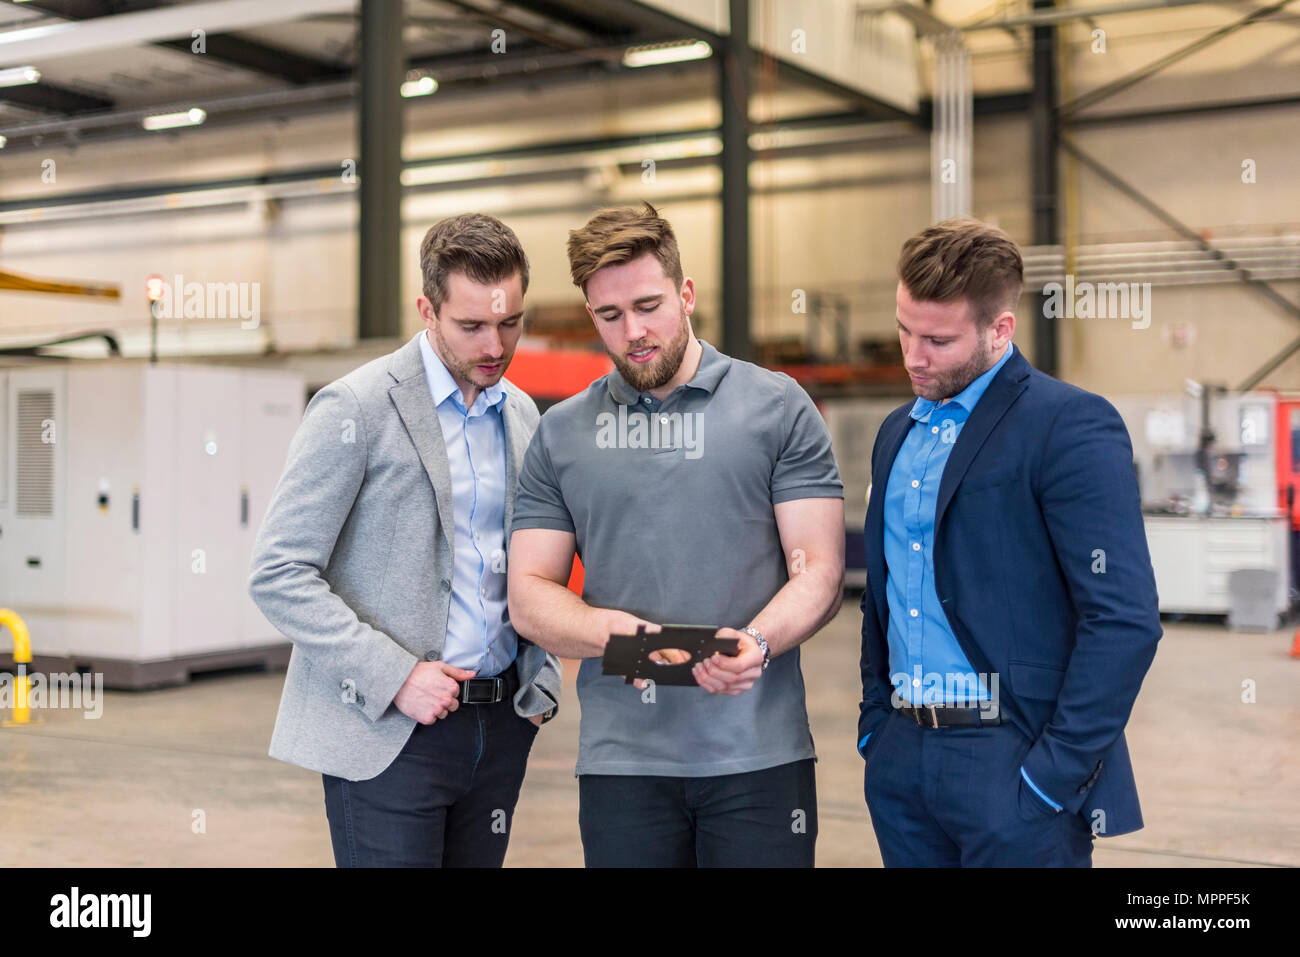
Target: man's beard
[467,371]
[949,384]
[643,378]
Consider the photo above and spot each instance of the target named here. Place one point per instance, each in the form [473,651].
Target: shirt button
[916,682]
[646,399]
[934,428]
[431,656]
[485,592]
[663,420]
[916,546]
[914,613]
[915,484]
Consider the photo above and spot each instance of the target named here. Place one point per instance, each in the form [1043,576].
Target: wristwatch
[762,644]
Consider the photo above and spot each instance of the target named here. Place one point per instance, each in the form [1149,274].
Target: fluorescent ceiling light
[122,30]
[421,87]
[472,170]
[19,75]
[3,141]
[454,173]
[657,54]
[169,121]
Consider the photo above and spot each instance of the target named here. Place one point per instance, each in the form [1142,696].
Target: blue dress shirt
[479,634]
[926,662]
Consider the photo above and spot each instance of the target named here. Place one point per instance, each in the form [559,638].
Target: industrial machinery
[1207,472]
[130,495]
[1219,476]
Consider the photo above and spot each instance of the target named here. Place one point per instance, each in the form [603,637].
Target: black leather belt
[489,690]
[950,715]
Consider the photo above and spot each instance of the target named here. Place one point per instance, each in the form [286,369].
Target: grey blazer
[353,564]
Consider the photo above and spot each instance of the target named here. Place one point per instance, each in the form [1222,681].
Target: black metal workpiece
[629,655]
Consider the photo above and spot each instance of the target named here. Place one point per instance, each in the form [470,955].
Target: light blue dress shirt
[479,634]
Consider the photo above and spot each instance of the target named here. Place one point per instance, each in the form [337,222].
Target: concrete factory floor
[1218,776]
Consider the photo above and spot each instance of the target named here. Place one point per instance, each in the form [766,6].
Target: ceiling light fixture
[170,121]
[19,75]
[657,54]
[421,87]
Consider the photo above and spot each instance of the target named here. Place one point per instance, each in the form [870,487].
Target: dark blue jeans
[447,799]
[765,818]
[954,797]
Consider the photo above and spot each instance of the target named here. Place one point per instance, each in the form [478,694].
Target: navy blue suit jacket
[1041,566]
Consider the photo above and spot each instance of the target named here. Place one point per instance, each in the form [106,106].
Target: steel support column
[382,69]
[733,89]
[1044,178]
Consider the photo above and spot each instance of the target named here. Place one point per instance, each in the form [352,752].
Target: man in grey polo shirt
[698,489]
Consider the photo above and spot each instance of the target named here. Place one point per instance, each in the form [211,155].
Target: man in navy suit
[1010,612]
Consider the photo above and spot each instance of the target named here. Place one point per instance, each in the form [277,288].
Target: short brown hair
[618,235]
[964,259]
[482,247]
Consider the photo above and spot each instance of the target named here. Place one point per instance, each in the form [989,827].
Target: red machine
[1287,456]
[549,375]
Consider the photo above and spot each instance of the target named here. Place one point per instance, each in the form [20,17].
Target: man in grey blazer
[382,557]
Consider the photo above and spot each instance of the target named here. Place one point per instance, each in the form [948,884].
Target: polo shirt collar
[968,396]
[713,366]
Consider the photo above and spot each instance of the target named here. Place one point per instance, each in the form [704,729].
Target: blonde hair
[618,235]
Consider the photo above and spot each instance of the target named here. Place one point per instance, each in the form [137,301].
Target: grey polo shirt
[671,504]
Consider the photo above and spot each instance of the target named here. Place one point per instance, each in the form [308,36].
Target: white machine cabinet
[130,495]
[1192,557]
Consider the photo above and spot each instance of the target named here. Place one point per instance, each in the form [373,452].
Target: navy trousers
[954,797]
[765,818]
[447,799]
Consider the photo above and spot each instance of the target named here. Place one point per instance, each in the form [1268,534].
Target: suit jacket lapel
[993,404]
[890,442]
[415,405]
